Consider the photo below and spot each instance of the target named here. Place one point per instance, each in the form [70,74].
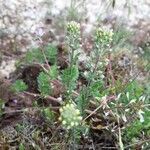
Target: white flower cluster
[70,116]
[103,37]
[73,28]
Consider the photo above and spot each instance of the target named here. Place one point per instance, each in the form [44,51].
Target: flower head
[70,116]
[73,28]
[103,37]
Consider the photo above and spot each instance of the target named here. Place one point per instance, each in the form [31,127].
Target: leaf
[49,114]
[51,53]
[53,72]
[69,76]
[96,88]
[82,101]
[35,55]
[120,141]
[19,86]
[44,84]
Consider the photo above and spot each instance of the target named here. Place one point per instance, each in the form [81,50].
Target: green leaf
[49,114]
[95,88]
[82,101]
[53,72]
[19,86]
[136,128]
[44,84]
[51,53]
[69,76]
[35,55]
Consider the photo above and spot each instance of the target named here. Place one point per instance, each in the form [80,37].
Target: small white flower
[72,124]
[76,123]
[70,115]
[80,118]
[68,127]
[77,112]
[64,122]
[61,110]
[59,118]
[67,105]
[71,105]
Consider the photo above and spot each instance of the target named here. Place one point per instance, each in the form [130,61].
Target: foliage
[1,106]
[50,52]
[69,77]
[39,55]
[135,130]
[118,104]
[82,101]
[35,55]
[49,114]
[44,84]
[121,37]
[19,86]
[53,72]
[44,80]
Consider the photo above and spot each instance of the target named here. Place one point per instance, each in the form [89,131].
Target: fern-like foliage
[44,85]
[44,80]
[53,72]
[70,76]
[19,86]
[39,55]
[96,88]
[49,114]
[35,55]
[82,101]
[51,53]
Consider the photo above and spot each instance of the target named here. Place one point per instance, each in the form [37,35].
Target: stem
[93,74]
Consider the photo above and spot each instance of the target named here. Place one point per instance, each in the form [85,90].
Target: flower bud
[103,37]
[73,28]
